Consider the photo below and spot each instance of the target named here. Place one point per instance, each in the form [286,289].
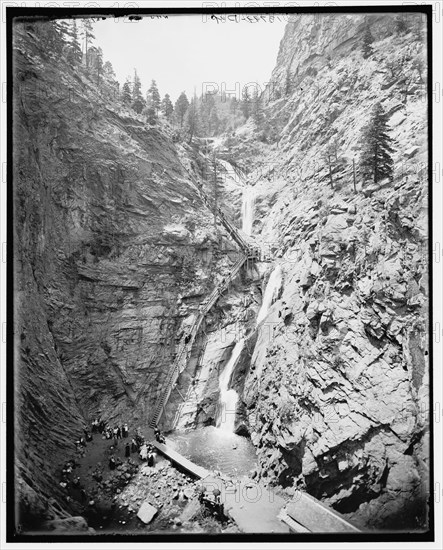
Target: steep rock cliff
[114,249]
[337,390]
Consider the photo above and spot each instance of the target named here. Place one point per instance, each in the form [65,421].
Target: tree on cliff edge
[138,102]
[367,41]
[181,106]
[88,35]
[126,93]
[376,160]
[153,97]
[74,51]
[166,107]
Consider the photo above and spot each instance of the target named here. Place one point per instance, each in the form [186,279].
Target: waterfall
[271,292]
[228,398]
[248,209]
[248,198]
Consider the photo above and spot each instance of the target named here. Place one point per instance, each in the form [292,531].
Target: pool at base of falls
[215,449]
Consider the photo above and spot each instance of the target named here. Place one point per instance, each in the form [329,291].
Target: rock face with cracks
[337,391]
[114,251]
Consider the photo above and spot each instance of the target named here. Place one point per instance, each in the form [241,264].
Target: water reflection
[215,449]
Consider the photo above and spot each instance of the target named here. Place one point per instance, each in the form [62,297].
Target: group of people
[117,432]
[213,499]
[136,445]
[145,450]
[147,454]
[158,435]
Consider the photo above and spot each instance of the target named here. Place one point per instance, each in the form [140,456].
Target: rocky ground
[114,497]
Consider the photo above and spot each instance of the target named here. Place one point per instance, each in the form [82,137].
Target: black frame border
[31,13]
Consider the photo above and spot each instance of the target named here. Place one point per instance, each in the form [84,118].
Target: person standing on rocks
[201,492]
[127,450]
[144,452]
[158,435]
[133,446]
[112,463]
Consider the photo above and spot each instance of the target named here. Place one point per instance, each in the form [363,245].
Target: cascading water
[248,199]
[228,398]
[271,292]
[248,209]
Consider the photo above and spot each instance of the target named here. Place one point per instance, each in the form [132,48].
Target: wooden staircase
[249,251]
[185,348]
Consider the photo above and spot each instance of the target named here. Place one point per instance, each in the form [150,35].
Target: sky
[191,51]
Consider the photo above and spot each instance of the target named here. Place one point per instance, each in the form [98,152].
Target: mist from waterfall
[271,292]
[228,397]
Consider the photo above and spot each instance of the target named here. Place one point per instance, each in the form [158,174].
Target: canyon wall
[337,389]
[113,251]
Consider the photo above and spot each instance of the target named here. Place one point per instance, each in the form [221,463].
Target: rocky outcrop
[113,249]
[337,390]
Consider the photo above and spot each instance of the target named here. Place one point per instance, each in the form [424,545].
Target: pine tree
[51,37]
[109,78]
[62,29]
[192,119]
[207,106]
[233,108]
[154,97]
[418,26]
[166,107]
[96,63]
[180,108]
[126,93]
[150,113]
[88,36]
[108,70]
[401,26]
[74,50]
[367,41]
[137,103]
[245,104]
[213,122]
[376,160]
[256,108]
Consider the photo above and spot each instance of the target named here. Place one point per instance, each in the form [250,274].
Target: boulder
[146,512]
[191,510]
[188,492]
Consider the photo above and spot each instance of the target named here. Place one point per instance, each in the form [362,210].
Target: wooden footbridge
[256,508]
